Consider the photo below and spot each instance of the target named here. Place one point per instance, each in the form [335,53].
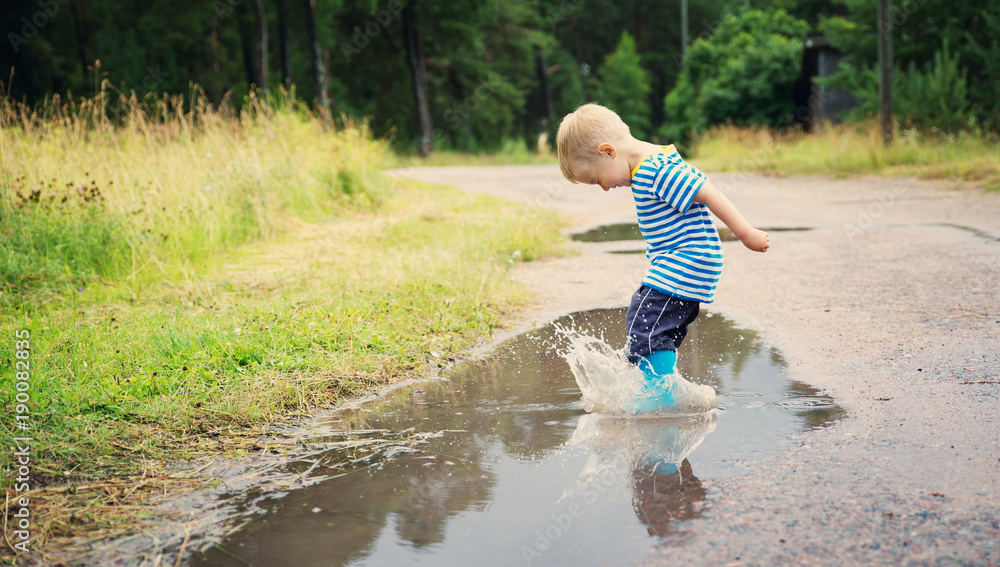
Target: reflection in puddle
[609,233]
[650,453]
[501,465]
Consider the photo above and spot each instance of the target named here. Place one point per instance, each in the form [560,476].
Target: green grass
[277,329]
[852,149]
[165,317]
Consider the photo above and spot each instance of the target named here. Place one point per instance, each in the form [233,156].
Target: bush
[934,90]
[624,86]
[982,54]
[744,72]
[934,98]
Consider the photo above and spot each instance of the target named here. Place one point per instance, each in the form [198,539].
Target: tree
[82,14]
[319,69]
[585,32]
[550,109]
[415,62]
[744,72]
[492,70]
[949,51]
[624,86]
[260,49]
[284,43]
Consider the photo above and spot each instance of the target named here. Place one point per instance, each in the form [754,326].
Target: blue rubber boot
[659,391]
[654,462]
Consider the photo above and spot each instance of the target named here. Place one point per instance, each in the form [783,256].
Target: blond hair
[581,131]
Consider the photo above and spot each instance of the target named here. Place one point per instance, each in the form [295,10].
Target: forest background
[474,75]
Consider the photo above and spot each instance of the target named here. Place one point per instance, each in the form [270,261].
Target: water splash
[612,385]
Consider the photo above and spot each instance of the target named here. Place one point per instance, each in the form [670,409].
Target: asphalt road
[890,303]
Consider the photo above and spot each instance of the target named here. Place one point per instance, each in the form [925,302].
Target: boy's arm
[719,204]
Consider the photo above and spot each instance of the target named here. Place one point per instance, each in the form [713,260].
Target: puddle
[610,233]
[501,465]
[627,231]
[969,229]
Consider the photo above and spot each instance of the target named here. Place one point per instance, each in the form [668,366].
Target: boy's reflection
[664,488]
[665,494]
[662,492]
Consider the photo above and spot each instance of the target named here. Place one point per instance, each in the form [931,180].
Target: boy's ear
[607,149]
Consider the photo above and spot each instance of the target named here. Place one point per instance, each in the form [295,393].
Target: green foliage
[479,62]
[566,82]
[808,10]
[624,86]
[743,72]
[982,53]
[481,58]
[949,50]
[935,98]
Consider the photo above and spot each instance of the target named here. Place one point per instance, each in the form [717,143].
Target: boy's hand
[756,240]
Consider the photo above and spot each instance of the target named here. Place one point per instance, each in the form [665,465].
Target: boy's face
[609,169]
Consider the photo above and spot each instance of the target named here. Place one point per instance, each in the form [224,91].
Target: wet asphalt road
[890,303]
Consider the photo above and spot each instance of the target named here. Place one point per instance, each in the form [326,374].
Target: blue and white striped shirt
[682,244]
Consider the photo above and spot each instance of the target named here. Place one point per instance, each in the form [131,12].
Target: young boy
[674,202]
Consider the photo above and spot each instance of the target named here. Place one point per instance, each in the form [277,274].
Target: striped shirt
[682,245]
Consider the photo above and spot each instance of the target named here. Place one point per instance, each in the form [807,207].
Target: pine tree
[624,86]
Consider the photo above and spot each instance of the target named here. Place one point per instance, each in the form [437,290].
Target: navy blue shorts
[656,321]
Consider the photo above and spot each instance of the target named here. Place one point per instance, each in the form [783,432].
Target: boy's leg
[656,324]
[677,335]
[656,321]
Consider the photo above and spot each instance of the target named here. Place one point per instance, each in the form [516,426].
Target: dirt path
[891,303]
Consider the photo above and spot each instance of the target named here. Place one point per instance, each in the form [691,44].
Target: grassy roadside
[852,149]
[188,281]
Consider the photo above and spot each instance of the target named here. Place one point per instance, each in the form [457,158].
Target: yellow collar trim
[667,150]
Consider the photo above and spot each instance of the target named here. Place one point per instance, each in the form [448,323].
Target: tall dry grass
[851,149]
[163,184]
